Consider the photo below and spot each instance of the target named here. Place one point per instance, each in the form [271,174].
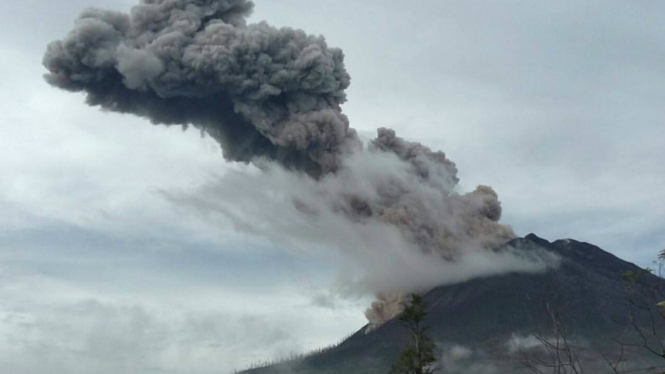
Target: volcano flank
[491,323]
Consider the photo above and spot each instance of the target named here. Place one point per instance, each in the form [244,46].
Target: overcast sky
[557,105]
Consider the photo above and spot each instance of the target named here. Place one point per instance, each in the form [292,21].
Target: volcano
[493,324]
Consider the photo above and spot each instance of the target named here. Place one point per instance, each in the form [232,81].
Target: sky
[556,105]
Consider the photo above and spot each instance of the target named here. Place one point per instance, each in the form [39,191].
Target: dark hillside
[587,291]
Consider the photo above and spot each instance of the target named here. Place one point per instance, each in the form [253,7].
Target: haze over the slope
[558,106]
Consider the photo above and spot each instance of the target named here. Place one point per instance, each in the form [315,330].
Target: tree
[556,354]
[645,329]
[419,356]
[646,312]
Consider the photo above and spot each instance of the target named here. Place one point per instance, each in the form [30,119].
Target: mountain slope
[486,319]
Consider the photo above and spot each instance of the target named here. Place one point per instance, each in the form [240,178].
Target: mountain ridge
[587,291]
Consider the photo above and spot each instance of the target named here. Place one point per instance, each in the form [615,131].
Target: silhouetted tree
[556,355]
[645,329]
[419,356]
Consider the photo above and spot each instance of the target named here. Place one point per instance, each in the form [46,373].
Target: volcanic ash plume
[272,96]
[259,91]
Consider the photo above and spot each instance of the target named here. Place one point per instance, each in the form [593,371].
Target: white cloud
[73,327]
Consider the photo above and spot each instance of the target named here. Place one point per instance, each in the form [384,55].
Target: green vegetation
[419,357]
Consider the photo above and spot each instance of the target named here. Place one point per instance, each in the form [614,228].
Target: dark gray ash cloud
[273,94]
[258,90]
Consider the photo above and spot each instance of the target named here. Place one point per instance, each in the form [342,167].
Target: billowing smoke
[272,97]
[259,91]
